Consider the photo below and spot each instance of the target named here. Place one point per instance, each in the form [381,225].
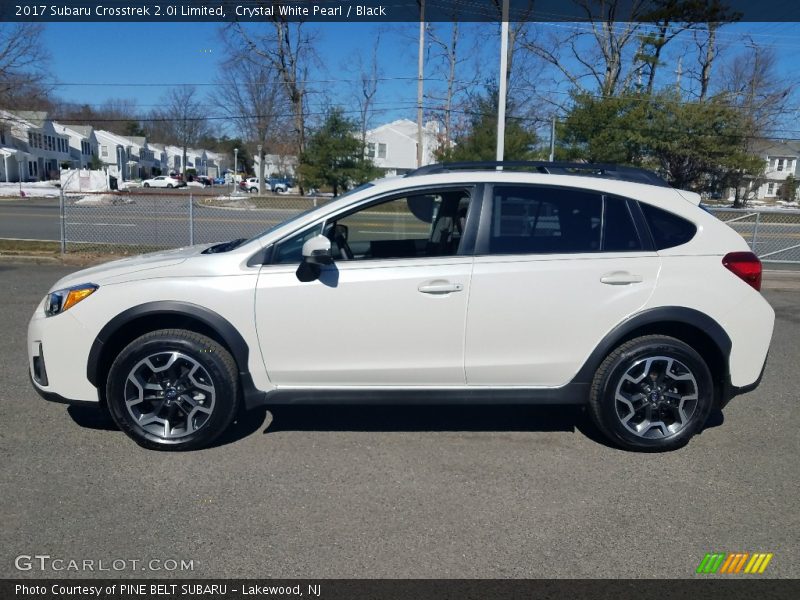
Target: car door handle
[621,278]
[442,287]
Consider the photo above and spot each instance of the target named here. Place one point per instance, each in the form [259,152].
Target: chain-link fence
[141,222]
[773,235]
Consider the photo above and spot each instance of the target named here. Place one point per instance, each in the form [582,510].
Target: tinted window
[668,230]
[541,220]
[619,232]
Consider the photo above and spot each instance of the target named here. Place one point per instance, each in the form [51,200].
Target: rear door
[556,269]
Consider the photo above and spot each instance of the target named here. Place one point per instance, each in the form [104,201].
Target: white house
[32,149]
[116,152]
[276,164]
[782,160]
[82,143]
[215,164]
[143,155]
[393,146]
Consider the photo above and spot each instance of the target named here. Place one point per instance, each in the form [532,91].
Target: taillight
[746,266]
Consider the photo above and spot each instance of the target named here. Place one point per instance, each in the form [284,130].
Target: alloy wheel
[169,395]
[656,397]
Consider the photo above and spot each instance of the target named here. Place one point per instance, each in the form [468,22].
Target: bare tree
[706,53]
[289,50]
[366,86]
[23,60]
[181,119]
[610,27]
[250,94]
[754,82]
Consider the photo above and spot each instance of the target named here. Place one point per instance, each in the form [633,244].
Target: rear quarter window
[668,230]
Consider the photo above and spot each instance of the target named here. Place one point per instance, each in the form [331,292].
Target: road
[431,492]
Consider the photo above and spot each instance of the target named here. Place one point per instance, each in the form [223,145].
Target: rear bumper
[730,391]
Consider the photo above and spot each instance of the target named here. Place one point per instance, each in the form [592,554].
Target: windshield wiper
[224,246]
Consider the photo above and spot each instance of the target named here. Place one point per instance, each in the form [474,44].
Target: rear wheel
[169,185]
[173,390]
[146,184]
[652,393]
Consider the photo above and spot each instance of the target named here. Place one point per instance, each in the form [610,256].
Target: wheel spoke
[169,394]
[656,397]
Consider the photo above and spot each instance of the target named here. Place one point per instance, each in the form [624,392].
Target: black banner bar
[705,588]
[377,10]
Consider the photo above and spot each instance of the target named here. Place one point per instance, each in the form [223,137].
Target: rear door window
[543,220]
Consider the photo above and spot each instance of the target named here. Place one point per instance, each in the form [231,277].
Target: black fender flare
[653,316]
[221,326]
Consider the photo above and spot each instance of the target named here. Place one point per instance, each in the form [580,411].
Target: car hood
[136,267]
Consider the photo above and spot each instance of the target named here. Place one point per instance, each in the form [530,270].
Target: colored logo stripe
[734,562]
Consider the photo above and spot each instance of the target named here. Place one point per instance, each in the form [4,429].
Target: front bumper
[58,348]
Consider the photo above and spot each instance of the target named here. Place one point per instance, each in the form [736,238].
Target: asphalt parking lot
[428,492]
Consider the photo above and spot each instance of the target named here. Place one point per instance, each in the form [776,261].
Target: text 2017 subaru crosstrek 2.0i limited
[539,283]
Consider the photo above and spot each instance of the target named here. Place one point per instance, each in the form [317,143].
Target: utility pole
[420,77]
[553,140]
[501,96]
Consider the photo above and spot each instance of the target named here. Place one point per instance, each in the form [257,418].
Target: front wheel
[169,185]
[146,185]
[652,393]
[173,389]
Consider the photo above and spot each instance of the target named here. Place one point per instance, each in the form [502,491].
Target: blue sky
[163,54]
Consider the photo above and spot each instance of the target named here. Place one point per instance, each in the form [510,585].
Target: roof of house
[36,118]
[777,148]
[79,130]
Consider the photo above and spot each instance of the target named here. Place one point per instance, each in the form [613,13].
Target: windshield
[310,210]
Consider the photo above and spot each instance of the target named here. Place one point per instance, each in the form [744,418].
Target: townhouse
[82,144]
[30,147]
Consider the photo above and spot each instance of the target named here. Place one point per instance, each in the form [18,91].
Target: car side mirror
[317,251]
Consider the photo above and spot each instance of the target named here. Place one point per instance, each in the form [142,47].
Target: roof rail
[606,171]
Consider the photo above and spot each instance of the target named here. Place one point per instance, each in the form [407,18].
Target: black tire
[216,373]
[146,184]
[169,185]
[663,426]
[253,190]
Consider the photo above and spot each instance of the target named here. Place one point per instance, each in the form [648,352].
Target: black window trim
[640,224]
[466,248]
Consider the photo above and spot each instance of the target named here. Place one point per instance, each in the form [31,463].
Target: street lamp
[235,167]
[260,170]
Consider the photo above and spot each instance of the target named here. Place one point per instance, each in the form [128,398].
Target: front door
[390,311]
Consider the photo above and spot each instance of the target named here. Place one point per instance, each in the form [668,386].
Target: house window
[103,150]
[381,150]
[33,168]
[780,164]
[770,189]
[369,151]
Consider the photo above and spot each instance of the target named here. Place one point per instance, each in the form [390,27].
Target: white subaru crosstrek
[539,283]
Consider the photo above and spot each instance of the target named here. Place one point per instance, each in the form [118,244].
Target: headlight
[61,300]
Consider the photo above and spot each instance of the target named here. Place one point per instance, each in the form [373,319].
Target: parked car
[163,181]
[280,185]
[251,185]
[206,181]
[579,284]
[219,181]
